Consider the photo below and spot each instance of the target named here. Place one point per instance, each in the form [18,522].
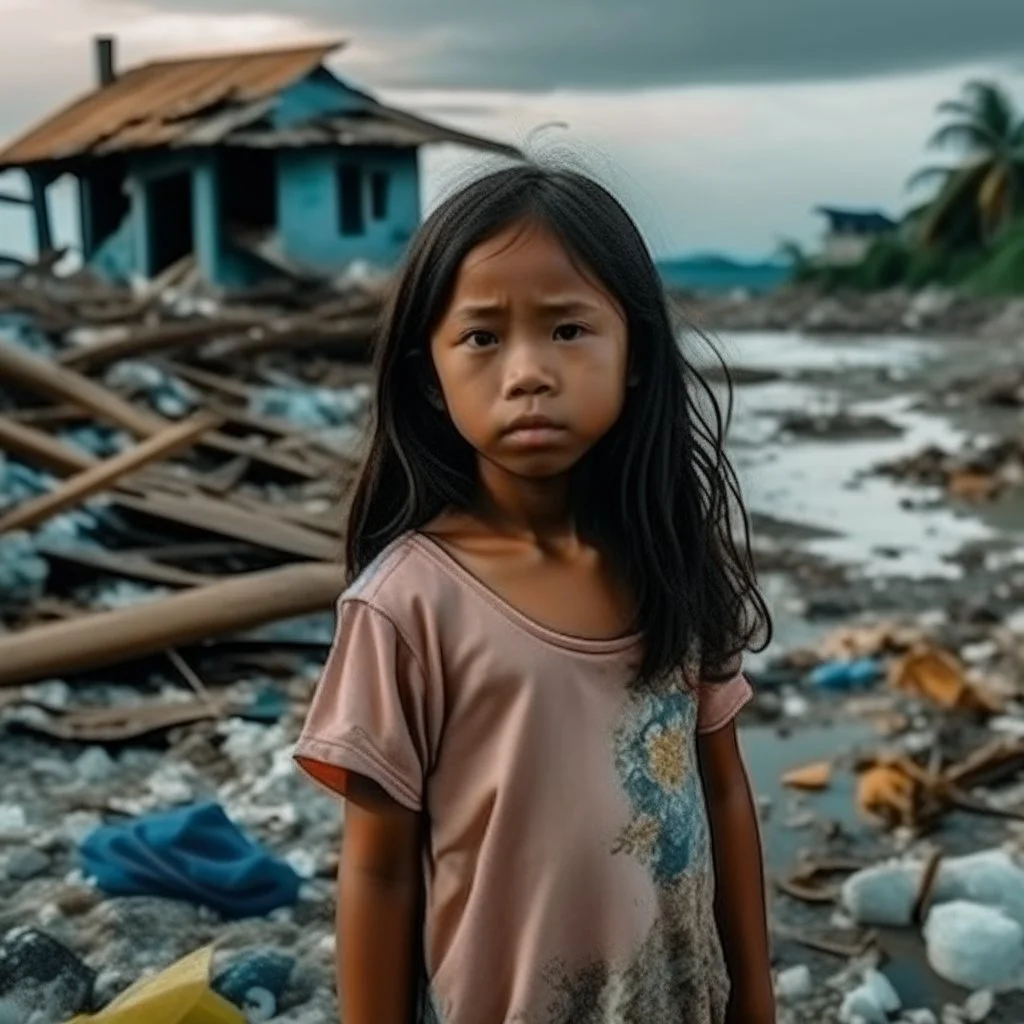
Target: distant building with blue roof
[851,233]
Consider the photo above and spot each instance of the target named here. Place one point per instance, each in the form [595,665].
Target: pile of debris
[172,472]
[946,698]
[187,451]
[977,475]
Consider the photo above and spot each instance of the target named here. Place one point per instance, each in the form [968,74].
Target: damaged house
[255,164]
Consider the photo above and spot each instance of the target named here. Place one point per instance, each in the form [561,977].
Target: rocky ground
[933,311]
[839,593]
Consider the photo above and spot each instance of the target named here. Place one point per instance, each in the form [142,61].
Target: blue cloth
[193,853]
[846,675]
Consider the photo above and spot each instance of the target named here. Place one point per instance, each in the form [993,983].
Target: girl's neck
[538,509]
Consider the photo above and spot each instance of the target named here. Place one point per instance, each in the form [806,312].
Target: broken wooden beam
[42,449]
[346,339]
[107,638]
[127,342]
[44,377]
[128,565]
[100,476]
[220,518]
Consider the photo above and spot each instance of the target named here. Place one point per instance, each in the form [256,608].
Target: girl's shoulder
[410,584]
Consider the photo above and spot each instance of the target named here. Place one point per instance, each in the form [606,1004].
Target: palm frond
[993,106]
[966,135]
[928,176]
[957,108]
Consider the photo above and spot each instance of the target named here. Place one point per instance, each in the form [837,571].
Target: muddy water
[881,526]
[821,497]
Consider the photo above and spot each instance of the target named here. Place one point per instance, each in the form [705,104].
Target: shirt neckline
[436,551]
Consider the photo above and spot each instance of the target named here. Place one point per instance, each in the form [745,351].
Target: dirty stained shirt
[567,863]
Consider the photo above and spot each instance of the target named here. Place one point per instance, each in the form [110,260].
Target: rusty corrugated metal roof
[378,126]
[159,103]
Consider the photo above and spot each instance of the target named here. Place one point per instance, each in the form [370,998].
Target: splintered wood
[229,514]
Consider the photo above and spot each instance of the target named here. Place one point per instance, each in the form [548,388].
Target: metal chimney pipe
[105,73]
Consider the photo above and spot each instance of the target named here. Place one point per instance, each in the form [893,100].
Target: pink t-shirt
[568,868]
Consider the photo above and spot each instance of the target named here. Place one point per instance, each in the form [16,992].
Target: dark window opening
[108,202]
[350,200]
[247,189]
[170,221]
[379,195]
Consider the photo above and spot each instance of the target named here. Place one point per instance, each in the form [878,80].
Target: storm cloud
[616,44]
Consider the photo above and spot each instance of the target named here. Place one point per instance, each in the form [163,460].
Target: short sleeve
[369,713]
[721,702]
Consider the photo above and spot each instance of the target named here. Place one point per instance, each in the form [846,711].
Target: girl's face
[531,354]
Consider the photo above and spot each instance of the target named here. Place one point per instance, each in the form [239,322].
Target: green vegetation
[970,234]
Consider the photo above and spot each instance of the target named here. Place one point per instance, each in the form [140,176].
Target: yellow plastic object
[179,995]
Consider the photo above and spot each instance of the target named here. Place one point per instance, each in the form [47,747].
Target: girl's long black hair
[657,494]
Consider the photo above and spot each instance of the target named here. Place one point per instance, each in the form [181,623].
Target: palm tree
[981,196]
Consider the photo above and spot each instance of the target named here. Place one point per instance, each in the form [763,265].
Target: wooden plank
[145,340]
[59,384]
[322,522]
[208,379]
[107,638]
[100,477]
[346,339]
[49,415]
[226,520]
[128,565]
[63,385]
[40,449]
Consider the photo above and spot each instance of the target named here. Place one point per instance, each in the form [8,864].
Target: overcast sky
[720,122]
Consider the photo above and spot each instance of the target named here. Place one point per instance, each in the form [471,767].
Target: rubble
[171,473]
[894,312]
[169,476]
[973,476]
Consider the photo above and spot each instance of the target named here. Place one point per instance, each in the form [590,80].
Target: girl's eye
[568,332]
[480,339]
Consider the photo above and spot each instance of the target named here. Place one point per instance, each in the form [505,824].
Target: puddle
[768,756]
[881,526]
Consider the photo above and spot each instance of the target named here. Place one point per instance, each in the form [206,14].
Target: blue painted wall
[114,258]
[310,211]
[206,221]
[317,94]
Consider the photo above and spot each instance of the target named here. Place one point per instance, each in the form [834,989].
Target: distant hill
[713,272]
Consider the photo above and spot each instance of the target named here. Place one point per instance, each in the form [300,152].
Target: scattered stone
[794,983]
[920,1016]
[76,900]
[979,1005]
[839,425]
[974,946]
[41,979]
[95,766]
[12,818]
[79,824]
[27,863]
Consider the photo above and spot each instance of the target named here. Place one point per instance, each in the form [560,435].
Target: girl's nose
[526,375]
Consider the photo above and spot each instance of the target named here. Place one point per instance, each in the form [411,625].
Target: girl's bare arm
[379,878]
[739,876]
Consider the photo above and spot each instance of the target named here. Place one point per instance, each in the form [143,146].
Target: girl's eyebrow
[470,310]
[566,307]
[559,307]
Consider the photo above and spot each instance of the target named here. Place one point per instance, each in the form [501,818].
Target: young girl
[529,705]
